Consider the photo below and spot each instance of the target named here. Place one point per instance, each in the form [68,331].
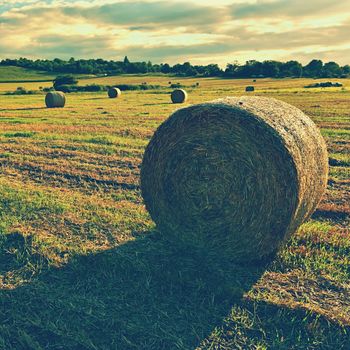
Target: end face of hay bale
[55,99]
[235,177]
[114,93]
[249,88]
[179,96]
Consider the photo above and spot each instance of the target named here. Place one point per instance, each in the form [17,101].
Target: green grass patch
[339,159]
[5,155]
[342,173]
[19,134]
[18,74]
[336,133]
[101,140]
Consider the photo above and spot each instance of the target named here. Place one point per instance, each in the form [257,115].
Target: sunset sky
[202,32]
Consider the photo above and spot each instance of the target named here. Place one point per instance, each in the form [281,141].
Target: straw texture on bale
[249,88]
[179,96]
[234,177]
[55,99]
[114,92]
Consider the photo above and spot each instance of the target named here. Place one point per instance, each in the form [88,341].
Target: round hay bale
[234,177]
[114,92]
[179,96]
[249,88]
[55,99]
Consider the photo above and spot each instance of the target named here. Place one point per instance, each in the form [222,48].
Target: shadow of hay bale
[145,294]
[22,109]
[15,248]
[18,260]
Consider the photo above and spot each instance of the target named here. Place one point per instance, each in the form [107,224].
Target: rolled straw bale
[114,92]
[249,88]
[55,99]
[235,177]
[179,96]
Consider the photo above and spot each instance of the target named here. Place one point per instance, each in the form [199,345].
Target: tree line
[251,69]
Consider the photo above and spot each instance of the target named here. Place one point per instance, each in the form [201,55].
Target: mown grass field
[83,267]
[11,76]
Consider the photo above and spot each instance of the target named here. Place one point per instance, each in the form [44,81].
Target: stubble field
[83,267]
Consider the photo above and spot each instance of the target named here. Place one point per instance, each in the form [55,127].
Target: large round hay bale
[179,96]
[114,92]
[249,88]
[235,176]
[55,99]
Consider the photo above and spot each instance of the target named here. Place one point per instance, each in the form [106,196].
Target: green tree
[64,80]
[292,69]
[231,70]
[331,70]
[165,68]
[271,69]
[346,70]
[313,69]
[212,70]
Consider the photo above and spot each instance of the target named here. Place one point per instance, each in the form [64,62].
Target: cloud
[59,45]
[77,46]
[244,41]
[287,8]
[335,53]
[176,31]
[148,13]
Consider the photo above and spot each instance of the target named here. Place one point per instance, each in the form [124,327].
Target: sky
[176,31]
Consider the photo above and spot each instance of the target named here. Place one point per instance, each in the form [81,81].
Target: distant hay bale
[55,99]
[234,177]
[179,96]
[249,88]
[114,92]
